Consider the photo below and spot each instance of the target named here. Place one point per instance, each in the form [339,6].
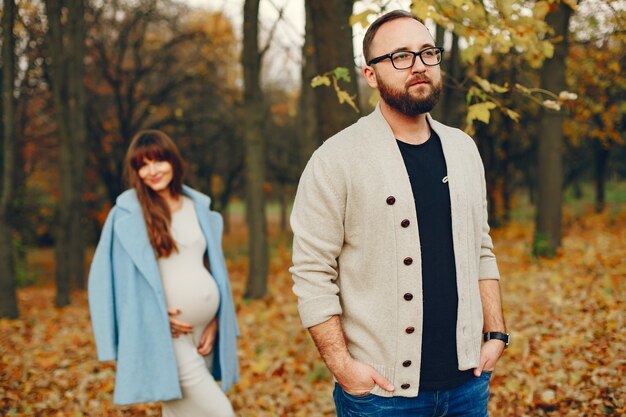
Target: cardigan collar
[380,124]
[377,129]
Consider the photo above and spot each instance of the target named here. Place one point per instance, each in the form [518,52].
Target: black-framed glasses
[406,59]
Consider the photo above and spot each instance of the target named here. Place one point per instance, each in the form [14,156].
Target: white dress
[189,287]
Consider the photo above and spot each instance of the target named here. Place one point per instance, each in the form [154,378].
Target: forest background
[248,91]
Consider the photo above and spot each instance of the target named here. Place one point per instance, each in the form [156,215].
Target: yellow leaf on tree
[421,9]
[484,84]
[361,18]
[506,7]
[469,54]
[512,114]
[344,97]
[480,111]
[548,49]
[489,87]
[320,80]
[499,88]
[541,9]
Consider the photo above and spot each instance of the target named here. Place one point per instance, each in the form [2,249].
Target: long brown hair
[155,145]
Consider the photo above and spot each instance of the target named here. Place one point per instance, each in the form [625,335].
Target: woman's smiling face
[156,174]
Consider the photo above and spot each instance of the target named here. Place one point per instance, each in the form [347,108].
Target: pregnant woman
[159,295]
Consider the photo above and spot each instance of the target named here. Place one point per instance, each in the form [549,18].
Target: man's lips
[417,81]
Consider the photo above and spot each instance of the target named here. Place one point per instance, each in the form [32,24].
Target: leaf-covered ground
[566,315]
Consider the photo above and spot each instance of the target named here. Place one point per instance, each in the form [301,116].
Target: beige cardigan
[349,247]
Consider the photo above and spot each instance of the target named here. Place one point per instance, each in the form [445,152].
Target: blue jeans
[468,400]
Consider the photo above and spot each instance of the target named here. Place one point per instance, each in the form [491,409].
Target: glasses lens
[402,60]
[431,56]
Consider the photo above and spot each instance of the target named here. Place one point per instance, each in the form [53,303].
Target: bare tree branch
[272,30]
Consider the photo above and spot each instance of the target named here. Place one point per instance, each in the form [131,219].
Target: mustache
[418,78]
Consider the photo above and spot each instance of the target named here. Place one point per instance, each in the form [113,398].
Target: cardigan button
[406,364]
[405,223]
[408,261]
[391,200]
[405,386]
[410,330]
[408,296]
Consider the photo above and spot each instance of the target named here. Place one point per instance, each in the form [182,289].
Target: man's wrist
[339,363]
[502,336]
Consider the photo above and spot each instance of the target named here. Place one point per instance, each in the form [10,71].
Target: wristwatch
[497,335]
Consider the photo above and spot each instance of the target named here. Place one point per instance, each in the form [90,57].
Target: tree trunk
[66,70]
[8,299]
[438,112]
[508,170]
[227,193]
[577,189]
[77,120]
[58,67]
[227,223]
[254,143]
[307,114]
[487,149]
[600,159]
[333,48]
[453,100]
[284,203]
[549,161]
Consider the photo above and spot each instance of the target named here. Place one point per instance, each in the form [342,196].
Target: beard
[404,102]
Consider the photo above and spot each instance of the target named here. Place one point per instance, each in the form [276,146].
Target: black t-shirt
[427,171]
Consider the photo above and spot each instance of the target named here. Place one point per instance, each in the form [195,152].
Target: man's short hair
[373,28]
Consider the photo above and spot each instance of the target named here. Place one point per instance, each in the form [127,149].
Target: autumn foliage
[566,316]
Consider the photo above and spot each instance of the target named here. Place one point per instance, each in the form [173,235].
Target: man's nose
[418,65]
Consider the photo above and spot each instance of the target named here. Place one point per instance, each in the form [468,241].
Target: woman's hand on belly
[176,326]
[208,338]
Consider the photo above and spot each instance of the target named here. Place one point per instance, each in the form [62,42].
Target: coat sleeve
[101,294]
[317,221]
[217,220]
[225,362]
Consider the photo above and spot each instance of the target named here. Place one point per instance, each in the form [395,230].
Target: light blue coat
[128,312]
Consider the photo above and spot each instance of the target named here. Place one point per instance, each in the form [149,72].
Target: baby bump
[196,296]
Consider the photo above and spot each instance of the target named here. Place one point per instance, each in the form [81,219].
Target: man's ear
[370,76]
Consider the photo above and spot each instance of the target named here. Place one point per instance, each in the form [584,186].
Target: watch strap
[498,336]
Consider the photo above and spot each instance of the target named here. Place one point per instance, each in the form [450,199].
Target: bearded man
[392,259]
